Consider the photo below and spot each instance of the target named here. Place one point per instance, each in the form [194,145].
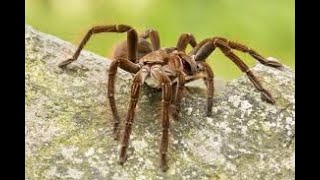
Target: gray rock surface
[69,124]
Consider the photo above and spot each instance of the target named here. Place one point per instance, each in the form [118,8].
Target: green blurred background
[266,26]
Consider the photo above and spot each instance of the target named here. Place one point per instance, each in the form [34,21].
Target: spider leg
[135,90]
[208,79]
[184,40]
[253,53]
[236,46]
[177,86]
[111,88]
[154,38]
[209,45]
[157,73]
[132,40]
[178,93]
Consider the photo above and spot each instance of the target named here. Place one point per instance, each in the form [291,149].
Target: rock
[69,123]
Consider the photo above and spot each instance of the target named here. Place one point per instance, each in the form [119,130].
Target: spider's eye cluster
[200,67]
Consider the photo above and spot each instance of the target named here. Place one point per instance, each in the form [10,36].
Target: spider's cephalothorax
[170,69]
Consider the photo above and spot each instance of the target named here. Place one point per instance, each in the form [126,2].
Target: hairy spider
[170,68]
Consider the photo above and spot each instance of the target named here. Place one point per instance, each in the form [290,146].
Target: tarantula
[171,68]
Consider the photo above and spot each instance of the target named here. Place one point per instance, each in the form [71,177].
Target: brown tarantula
[171,68]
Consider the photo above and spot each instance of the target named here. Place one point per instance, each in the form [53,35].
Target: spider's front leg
[132,40]
[128,66]
[166,97]
[166,88]
[135,90]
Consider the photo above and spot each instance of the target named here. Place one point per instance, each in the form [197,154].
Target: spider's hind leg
[154,38]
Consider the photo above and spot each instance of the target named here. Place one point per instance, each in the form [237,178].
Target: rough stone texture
[69,123]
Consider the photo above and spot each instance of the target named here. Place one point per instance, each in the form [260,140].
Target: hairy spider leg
[111,89]
[135,90]
[177,84]
[156,72]
[207,46]
[154,38]
[132,41]
[184,40]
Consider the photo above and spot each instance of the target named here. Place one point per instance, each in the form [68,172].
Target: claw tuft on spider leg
[266,96]
[65,63]
[273,62]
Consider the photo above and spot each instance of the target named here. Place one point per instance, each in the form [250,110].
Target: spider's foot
[209,112]
[116,135]
[164,168]
[174,111]
[65,63]
[266,96]
[122,160]
[116,132]
[163,163]
[123,155]
[273,62]
[209,106]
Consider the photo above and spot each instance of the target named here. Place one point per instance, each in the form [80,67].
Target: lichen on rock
[69,123]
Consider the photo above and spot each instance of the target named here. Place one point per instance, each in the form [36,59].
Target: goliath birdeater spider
[171,68]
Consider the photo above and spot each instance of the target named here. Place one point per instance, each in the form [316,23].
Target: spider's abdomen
[121,50]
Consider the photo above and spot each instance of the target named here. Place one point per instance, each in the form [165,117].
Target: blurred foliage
[266,26]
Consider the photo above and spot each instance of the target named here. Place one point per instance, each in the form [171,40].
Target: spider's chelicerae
[170,68]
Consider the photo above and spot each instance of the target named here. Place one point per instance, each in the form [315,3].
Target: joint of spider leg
[193,57]
[251,51]
[129,123]
[165,102]
[135,100]
[214,40]
[140,64]
[165,128]
[91,31]
[227,51]
[248,49]
[123,147]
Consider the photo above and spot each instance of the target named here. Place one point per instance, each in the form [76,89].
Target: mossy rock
[69,124]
